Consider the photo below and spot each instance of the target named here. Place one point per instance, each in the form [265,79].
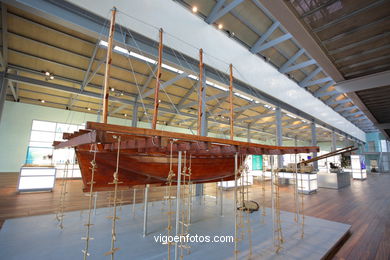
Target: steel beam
[166,84]
[366,82]
[14,91]
[291,60]
[324,88]
[323,94]
[3,93]
[86,74]
[218,12]
[318,81]
[342,101]
[309,77]
[340,108]
[194,103]
[264,37]
[272,43]
[255,117]
[300,65]
[215,10]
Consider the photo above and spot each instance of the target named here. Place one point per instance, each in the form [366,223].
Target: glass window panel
[43,126]
[39,155]
[42,136]
[58,137]
[41,144]
[66,128]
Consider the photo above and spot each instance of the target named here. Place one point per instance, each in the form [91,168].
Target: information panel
[257,162]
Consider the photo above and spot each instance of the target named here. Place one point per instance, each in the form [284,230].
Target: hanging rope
[60,213]
[171,175]
[87,237]
[114,217]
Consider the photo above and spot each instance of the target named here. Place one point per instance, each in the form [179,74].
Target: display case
[307,183]
[36,178]
[358,164]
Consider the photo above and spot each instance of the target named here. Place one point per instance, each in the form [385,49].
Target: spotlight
[47,73]
[112,89]
[42,101]
[51,77]
[194,9]
[89,109]
[121,93]
[125,115]
[220,26]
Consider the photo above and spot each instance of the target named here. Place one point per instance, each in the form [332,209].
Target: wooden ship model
[142,156]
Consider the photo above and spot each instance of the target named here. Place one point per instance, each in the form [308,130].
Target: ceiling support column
[314,143]
[3,93]
[333,147]
[134,119]
[279,136]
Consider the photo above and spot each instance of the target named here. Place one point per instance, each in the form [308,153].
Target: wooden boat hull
[145,155]
[140,169]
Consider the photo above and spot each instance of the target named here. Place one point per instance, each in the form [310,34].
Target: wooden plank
[152,132]
[87,138]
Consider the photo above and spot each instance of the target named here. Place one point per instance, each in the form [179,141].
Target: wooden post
[157,89]
[231,102]
[200,92]
[108,66]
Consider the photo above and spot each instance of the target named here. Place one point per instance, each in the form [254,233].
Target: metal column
[134,119]
[314,143]
[235,206]
[279,137]
[248,134]
[3,93]
[203,131]
[333,148]
[146,209]
[178,202]
[221,199]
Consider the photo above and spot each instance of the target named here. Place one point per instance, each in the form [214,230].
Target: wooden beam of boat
[157,89]
[86,138]
[200,92]
[117,129]
[231,102]
[108,66]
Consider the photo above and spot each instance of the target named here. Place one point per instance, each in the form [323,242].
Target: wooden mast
[200,92]
[157,89]
[231,102]
[108,66]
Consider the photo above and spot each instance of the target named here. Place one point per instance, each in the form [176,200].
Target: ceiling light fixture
[194,9]
[220,26]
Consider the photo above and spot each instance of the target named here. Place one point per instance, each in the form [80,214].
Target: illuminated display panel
[36,178]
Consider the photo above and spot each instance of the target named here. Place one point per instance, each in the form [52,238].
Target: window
[40,150]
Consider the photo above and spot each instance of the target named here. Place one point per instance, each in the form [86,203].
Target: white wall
[15,128]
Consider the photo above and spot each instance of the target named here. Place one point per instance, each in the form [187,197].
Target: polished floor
[365,205]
